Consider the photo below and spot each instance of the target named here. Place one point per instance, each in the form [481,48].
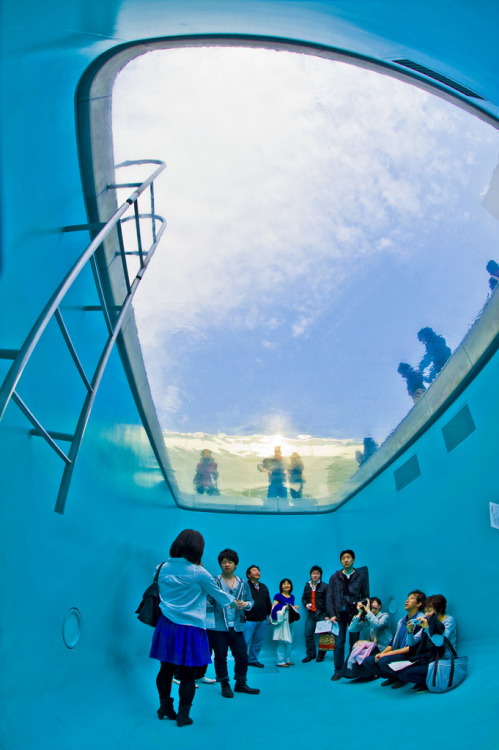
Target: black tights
[187,687]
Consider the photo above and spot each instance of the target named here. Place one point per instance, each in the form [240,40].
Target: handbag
[446,674]
[326,642]
[148,610]
[293,614]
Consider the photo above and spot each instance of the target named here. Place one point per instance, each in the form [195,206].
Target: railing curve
[21,357]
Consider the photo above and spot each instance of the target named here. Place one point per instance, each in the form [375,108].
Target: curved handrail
[52,305]
[51,310]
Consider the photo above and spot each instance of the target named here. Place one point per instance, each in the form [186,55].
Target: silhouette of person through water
[296,476]
[276,468]
[370,447]
[206,476]
[437,353]
[414,380]
[493,269]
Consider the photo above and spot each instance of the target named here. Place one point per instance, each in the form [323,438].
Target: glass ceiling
[319,216]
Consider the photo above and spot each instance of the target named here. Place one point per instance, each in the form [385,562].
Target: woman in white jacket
[283,615]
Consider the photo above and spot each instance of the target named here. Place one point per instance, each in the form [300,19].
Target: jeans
[222,640]
[277,489]
[417,674]
[284,652]
[380,668]
[340,640]
[312,619]
[254,633]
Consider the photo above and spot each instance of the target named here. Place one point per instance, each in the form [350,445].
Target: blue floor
[298,707]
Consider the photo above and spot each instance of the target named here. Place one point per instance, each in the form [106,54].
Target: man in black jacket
[256,618]
[314,601]
[346,587]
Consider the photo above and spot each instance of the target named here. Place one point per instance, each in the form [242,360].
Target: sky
[319,215]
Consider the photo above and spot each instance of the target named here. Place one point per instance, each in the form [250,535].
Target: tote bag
[446,674]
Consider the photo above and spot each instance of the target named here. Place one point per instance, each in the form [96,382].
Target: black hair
[228,554]
[286,580]
[438,603]
[347,552]
[421,596]
[316,567]
[249,569]
[491,266]
[376,599]
[426,334]
[188,544]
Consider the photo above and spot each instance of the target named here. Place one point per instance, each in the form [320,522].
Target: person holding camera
[436,626]
[370,618]
[346,587]
[397,650]
[373,627]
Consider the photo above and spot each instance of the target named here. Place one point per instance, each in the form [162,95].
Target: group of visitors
[436,355]
[203,615]
[283,474]
[437,352]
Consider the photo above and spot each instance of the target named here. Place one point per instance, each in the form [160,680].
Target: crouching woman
[437,625]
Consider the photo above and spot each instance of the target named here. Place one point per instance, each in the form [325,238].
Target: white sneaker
[177,682]
[207,680]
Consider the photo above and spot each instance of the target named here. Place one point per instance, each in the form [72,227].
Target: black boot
[242,687]
[226,689]
[183,719]
[321,655]
[166,709]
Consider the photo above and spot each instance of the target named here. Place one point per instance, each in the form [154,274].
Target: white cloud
[283,172]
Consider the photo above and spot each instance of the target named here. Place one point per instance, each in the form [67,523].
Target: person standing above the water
[346,587]
[206,476]
[493,269]
[179,641]
[413,379]
[296,477]
[276,468]
[437,353]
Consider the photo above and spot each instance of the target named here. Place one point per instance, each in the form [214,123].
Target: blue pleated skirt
[180,644]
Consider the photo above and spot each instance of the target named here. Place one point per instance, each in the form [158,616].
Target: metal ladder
[114,322]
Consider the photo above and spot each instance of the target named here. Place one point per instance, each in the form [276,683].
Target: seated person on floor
[373,627]
[436,625]
[397,650]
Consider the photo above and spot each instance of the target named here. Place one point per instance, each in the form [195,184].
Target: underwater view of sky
[319,215]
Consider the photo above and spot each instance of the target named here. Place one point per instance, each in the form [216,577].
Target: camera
[363,611]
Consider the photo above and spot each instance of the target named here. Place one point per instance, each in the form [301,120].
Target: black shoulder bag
[148,610]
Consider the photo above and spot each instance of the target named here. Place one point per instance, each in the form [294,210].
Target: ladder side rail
[89,400]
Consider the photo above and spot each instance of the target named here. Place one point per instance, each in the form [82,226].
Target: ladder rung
[54,435]
[8,353]
[98,308]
